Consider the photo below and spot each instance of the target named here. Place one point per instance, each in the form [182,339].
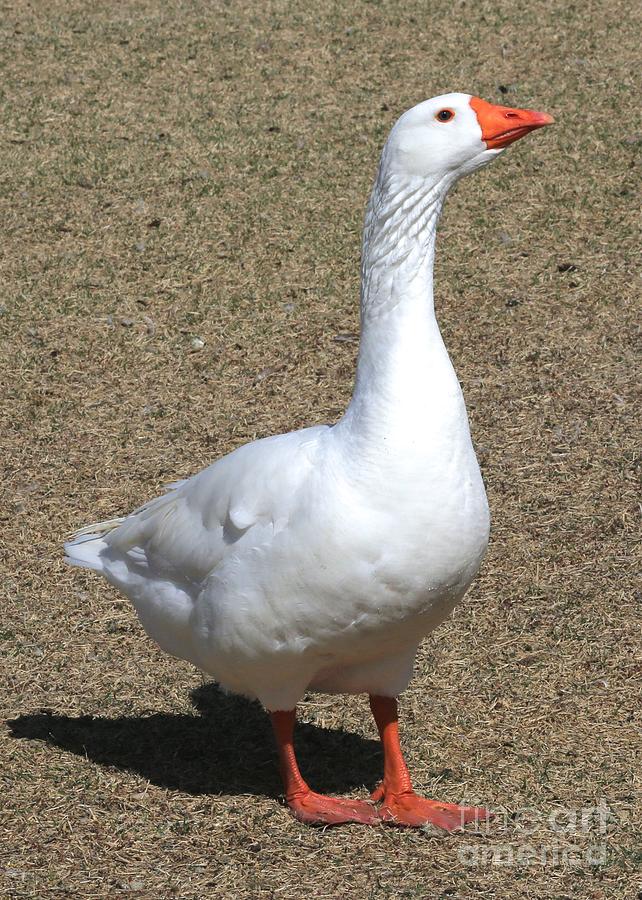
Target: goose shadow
[227,749]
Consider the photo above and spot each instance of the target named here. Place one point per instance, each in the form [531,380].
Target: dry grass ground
[172,171]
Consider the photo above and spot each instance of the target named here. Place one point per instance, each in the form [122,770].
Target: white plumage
[319,559]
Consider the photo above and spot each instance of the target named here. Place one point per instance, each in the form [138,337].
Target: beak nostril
[511,115]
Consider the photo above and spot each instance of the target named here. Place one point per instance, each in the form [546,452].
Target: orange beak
[501,125]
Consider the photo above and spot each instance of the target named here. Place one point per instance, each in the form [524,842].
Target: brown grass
[180,170]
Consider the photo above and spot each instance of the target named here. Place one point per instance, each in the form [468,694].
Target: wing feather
[187,532]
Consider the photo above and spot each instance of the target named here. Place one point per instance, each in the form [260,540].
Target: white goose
[319,559]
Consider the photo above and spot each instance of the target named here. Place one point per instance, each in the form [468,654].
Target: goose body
[320,558]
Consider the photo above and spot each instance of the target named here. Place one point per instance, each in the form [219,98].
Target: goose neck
[405,385]
[399,243]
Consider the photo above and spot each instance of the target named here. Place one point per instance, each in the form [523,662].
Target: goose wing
[186,533]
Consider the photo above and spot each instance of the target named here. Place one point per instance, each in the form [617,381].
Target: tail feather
[86,545]
[86,553]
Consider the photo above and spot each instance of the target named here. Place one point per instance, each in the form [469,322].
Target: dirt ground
[181,194]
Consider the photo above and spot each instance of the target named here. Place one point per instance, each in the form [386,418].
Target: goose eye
[445,115]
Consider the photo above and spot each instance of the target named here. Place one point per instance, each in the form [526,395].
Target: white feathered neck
[405,385]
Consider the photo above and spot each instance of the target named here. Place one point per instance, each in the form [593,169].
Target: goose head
[452,135]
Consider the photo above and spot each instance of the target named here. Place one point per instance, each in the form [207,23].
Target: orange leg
[305,805]
[399,803]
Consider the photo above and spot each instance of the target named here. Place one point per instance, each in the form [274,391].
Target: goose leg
[306,805]
[399,803]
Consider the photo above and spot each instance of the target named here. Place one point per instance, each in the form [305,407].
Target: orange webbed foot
[317,809]
[409,810]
